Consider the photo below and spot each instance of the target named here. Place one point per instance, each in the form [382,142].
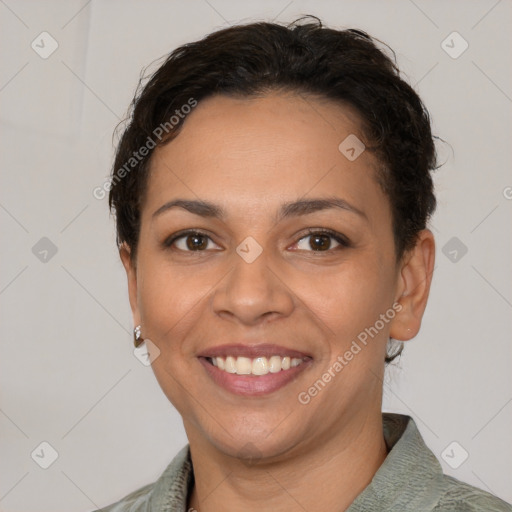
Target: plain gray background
[68,373]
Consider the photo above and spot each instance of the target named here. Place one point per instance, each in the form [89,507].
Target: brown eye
[196,242]
[189,242]
[321,241]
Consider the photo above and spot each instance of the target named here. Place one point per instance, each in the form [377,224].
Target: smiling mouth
[253,370]
[256,366]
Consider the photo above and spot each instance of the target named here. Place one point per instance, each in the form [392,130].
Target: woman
[272,192]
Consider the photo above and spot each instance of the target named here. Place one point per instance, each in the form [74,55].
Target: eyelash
[338,237]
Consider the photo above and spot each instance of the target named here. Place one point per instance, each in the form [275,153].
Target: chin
[251,436]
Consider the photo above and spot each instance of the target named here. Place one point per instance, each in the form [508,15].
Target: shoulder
[411,478]
[457,496]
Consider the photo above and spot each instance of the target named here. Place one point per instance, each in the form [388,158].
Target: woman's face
[255,287]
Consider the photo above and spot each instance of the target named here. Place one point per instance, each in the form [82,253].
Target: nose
[253,293]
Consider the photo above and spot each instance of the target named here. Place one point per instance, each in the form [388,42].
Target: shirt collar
[409,476]
[172,489]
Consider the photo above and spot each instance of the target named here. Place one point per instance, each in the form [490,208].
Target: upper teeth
[256,366]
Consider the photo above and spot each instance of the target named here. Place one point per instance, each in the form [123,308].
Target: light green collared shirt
[409,480]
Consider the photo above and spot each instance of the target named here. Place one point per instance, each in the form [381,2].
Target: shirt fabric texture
[409,480]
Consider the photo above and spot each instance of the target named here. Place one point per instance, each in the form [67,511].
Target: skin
[250,156]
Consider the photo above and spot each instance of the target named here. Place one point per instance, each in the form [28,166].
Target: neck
[328,476]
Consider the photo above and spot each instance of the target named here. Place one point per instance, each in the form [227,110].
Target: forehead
[252,152]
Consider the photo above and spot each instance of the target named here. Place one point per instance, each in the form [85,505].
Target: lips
[252,351]
[253,370]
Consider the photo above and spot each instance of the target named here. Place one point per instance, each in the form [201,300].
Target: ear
[131,274]
[413,288]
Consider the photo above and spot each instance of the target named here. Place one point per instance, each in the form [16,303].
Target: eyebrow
[287,210]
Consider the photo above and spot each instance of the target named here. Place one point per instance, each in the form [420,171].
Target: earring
[137,340]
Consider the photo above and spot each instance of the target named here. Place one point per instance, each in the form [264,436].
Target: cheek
[174,302]
[169,301]
[352,298]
